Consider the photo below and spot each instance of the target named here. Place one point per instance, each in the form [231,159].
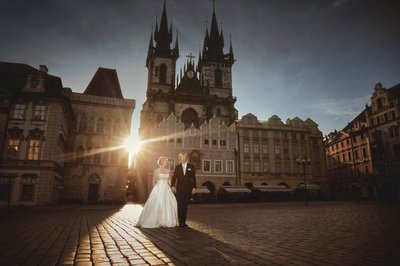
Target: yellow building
[269,152]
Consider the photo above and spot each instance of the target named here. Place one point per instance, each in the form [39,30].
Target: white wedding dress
[161,208]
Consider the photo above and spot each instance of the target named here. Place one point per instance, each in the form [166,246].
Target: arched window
[117,127]
[83,124]
[217,77]
[115,157]
[97,156]
[163,73]
[100,126]
[108,126]
[79,154]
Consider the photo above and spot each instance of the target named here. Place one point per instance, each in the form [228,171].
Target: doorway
[93,194]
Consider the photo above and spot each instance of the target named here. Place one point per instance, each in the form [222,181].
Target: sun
[132,144]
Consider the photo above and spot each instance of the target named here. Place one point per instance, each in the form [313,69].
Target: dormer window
[34,81]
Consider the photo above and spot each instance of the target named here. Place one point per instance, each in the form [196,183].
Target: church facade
[193,111]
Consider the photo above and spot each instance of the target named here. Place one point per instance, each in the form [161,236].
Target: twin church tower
[200,91]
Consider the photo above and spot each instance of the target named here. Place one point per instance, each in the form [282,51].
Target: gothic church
[199,92]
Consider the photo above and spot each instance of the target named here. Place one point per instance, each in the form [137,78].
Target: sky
[317,59]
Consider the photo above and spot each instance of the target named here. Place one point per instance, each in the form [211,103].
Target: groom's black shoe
[183,225]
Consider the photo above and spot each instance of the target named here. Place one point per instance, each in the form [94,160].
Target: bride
[160,209]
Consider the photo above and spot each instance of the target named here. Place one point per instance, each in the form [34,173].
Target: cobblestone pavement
[323,233]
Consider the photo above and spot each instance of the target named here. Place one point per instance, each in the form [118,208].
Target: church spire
[214,43]
[231,56]
[151,47]
[163,36]
[176,48]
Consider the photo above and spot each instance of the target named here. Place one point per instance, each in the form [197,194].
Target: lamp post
[304,162]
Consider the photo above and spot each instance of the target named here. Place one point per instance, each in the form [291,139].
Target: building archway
[210,186]
[286,185]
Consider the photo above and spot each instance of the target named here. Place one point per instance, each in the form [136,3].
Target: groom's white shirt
[184,165]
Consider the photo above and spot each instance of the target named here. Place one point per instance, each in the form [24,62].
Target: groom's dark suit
[184,183]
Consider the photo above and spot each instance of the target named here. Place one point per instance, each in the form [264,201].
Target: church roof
[190,85]
[104,83]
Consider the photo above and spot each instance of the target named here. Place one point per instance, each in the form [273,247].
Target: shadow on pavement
[48,235]
[191,247]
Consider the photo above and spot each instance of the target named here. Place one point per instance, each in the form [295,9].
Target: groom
[183,185]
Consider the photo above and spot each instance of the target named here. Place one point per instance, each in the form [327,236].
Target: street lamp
[304,162]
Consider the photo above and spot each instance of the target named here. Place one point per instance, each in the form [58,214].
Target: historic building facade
[211,148]
[364,157]
[36,116]
[269,150]
[195,113]
[191,112]
[98,169]
[51,137]
[200,92]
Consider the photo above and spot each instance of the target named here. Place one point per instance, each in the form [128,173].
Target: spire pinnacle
[163,35]
[214,42]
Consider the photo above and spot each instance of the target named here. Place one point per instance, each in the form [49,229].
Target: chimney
[43,68]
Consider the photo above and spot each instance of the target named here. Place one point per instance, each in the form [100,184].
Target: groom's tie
[184,169]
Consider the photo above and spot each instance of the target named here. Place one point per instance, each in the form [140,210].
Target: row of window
[96,156]
[277,149]
[27,192]
[14,145]
[101,126]
[209,166]
[347,157]
[19,112]
[218,166]
[383,118]
[265,167]
[205,141]
[276,134]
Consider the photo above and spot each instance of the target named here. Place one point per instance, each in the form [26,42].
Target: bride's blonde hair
[162,158]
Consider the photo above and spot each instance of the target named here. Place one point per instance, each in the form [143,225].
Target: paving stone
[323,233]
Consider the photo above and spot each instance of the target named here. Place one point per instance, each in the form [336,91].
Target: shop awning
[273,188]
[202,190]
[309,186]
[231,189]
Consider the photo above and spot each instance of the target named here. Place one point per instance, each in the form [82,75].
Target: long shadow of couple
[192,247]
